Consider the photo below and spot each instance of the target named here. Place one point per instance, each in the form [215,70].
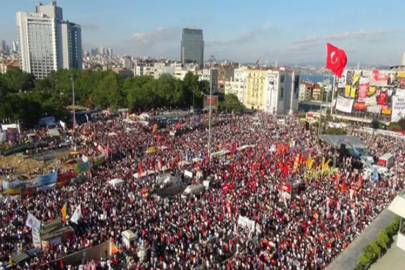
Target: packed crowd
[306,231]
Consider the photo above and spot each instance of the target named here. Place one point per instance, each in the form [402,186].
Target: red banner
[363,88]
[359,105]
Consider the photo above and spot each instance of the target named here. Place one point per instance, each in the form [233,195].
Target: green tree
[231,102]
[15,80]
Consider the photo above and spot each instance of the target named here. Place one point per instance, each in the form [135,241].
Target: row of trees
[27,99]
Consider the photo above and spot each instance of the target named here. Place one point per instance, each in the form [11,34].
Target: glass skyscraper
[192,46]
[47,42]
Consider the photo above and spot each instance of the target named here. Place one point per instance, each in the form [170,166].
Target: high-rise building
[192,46]
[72,45]
[47,42]
[3,46]
[110,52]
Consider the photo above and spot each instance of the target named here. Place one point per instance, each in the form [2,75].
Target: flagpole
[333,94]
[209,120]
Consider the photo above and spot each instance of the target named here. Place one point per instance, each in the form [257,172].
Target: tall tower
[47,42]
[192,46]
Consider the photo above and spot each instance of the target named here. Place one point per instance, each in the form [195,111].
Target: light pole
[72,79]
[209,119]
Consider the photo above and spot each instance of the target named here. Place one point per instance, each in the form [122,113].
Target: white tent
[144,174]
[116,182]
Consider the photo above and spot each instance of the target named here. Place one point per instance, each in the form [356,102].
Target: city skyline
[234,30]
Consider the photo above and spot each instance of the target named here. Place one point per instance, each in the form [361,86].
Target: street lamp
[209,119]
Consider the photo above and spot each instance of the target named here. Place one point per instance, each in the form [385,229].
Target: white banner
[76,215]
[188,174]
[374,109]
[36,239]
[32,222]
[342,80]
[344,104]
[371,100]
[400,92]
[398,108]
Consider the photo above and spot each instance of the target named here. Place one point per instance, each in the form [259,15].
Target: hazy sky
[290,31]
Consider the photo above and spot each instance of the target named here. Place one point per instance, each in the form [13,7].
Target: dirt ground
[28,165]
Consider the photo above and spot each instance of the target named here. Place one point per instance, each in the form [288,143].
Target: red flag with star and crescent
[336,59]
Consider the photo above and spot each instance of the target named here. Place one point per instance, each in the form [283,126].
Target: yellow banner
[347,90]
[313,174]
[386,110]
[401,74]
[310,162]
[353,92]
[356,77]
[371,91]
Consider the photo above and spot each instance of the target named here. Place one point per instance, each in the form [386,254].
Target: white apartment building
[127,62]
[273,91]
[237,84]
[154,69]
[47,42]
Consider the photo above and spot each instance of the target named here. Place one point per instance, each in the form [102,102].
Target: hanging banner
[36,239]
[382,97]
[379,77]
[371,91]
[356,77]
[392,78]
[401,74]
[213,101]
[342,80]
[374,109]
[47,179]
[344,104]
[363,88]
[398,108]
[385,109]
[347,90]
[400,92]
[353,92]
[370,101]
[359,106]
[366,73]
[11,185]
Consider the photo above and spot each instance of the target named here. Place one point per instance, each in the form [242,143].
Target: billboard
[210,101]
[398,108]
[372,93]
[344,104]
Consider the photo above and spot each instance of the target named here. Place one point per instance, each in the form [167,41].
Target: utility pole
[212,60]
[72,79]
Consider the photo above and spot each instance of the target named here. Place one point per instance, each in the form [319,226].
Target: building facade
[274,91]
[192,46]
[71,48]
[47,42]
[237,84]
[305,91]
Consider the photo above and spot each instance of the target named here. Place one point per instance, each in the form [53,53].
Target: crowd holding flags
[64,212]
[33,222]
[76,215]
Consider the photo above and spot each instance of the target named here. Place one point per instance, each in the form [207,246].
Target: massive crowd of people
[305,231]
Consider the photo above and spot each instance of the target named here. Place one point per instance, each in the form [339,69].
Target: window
[282,93]
[282,79]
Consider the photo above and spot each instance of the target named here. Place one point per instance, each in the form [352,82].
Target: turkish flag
[336,59]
